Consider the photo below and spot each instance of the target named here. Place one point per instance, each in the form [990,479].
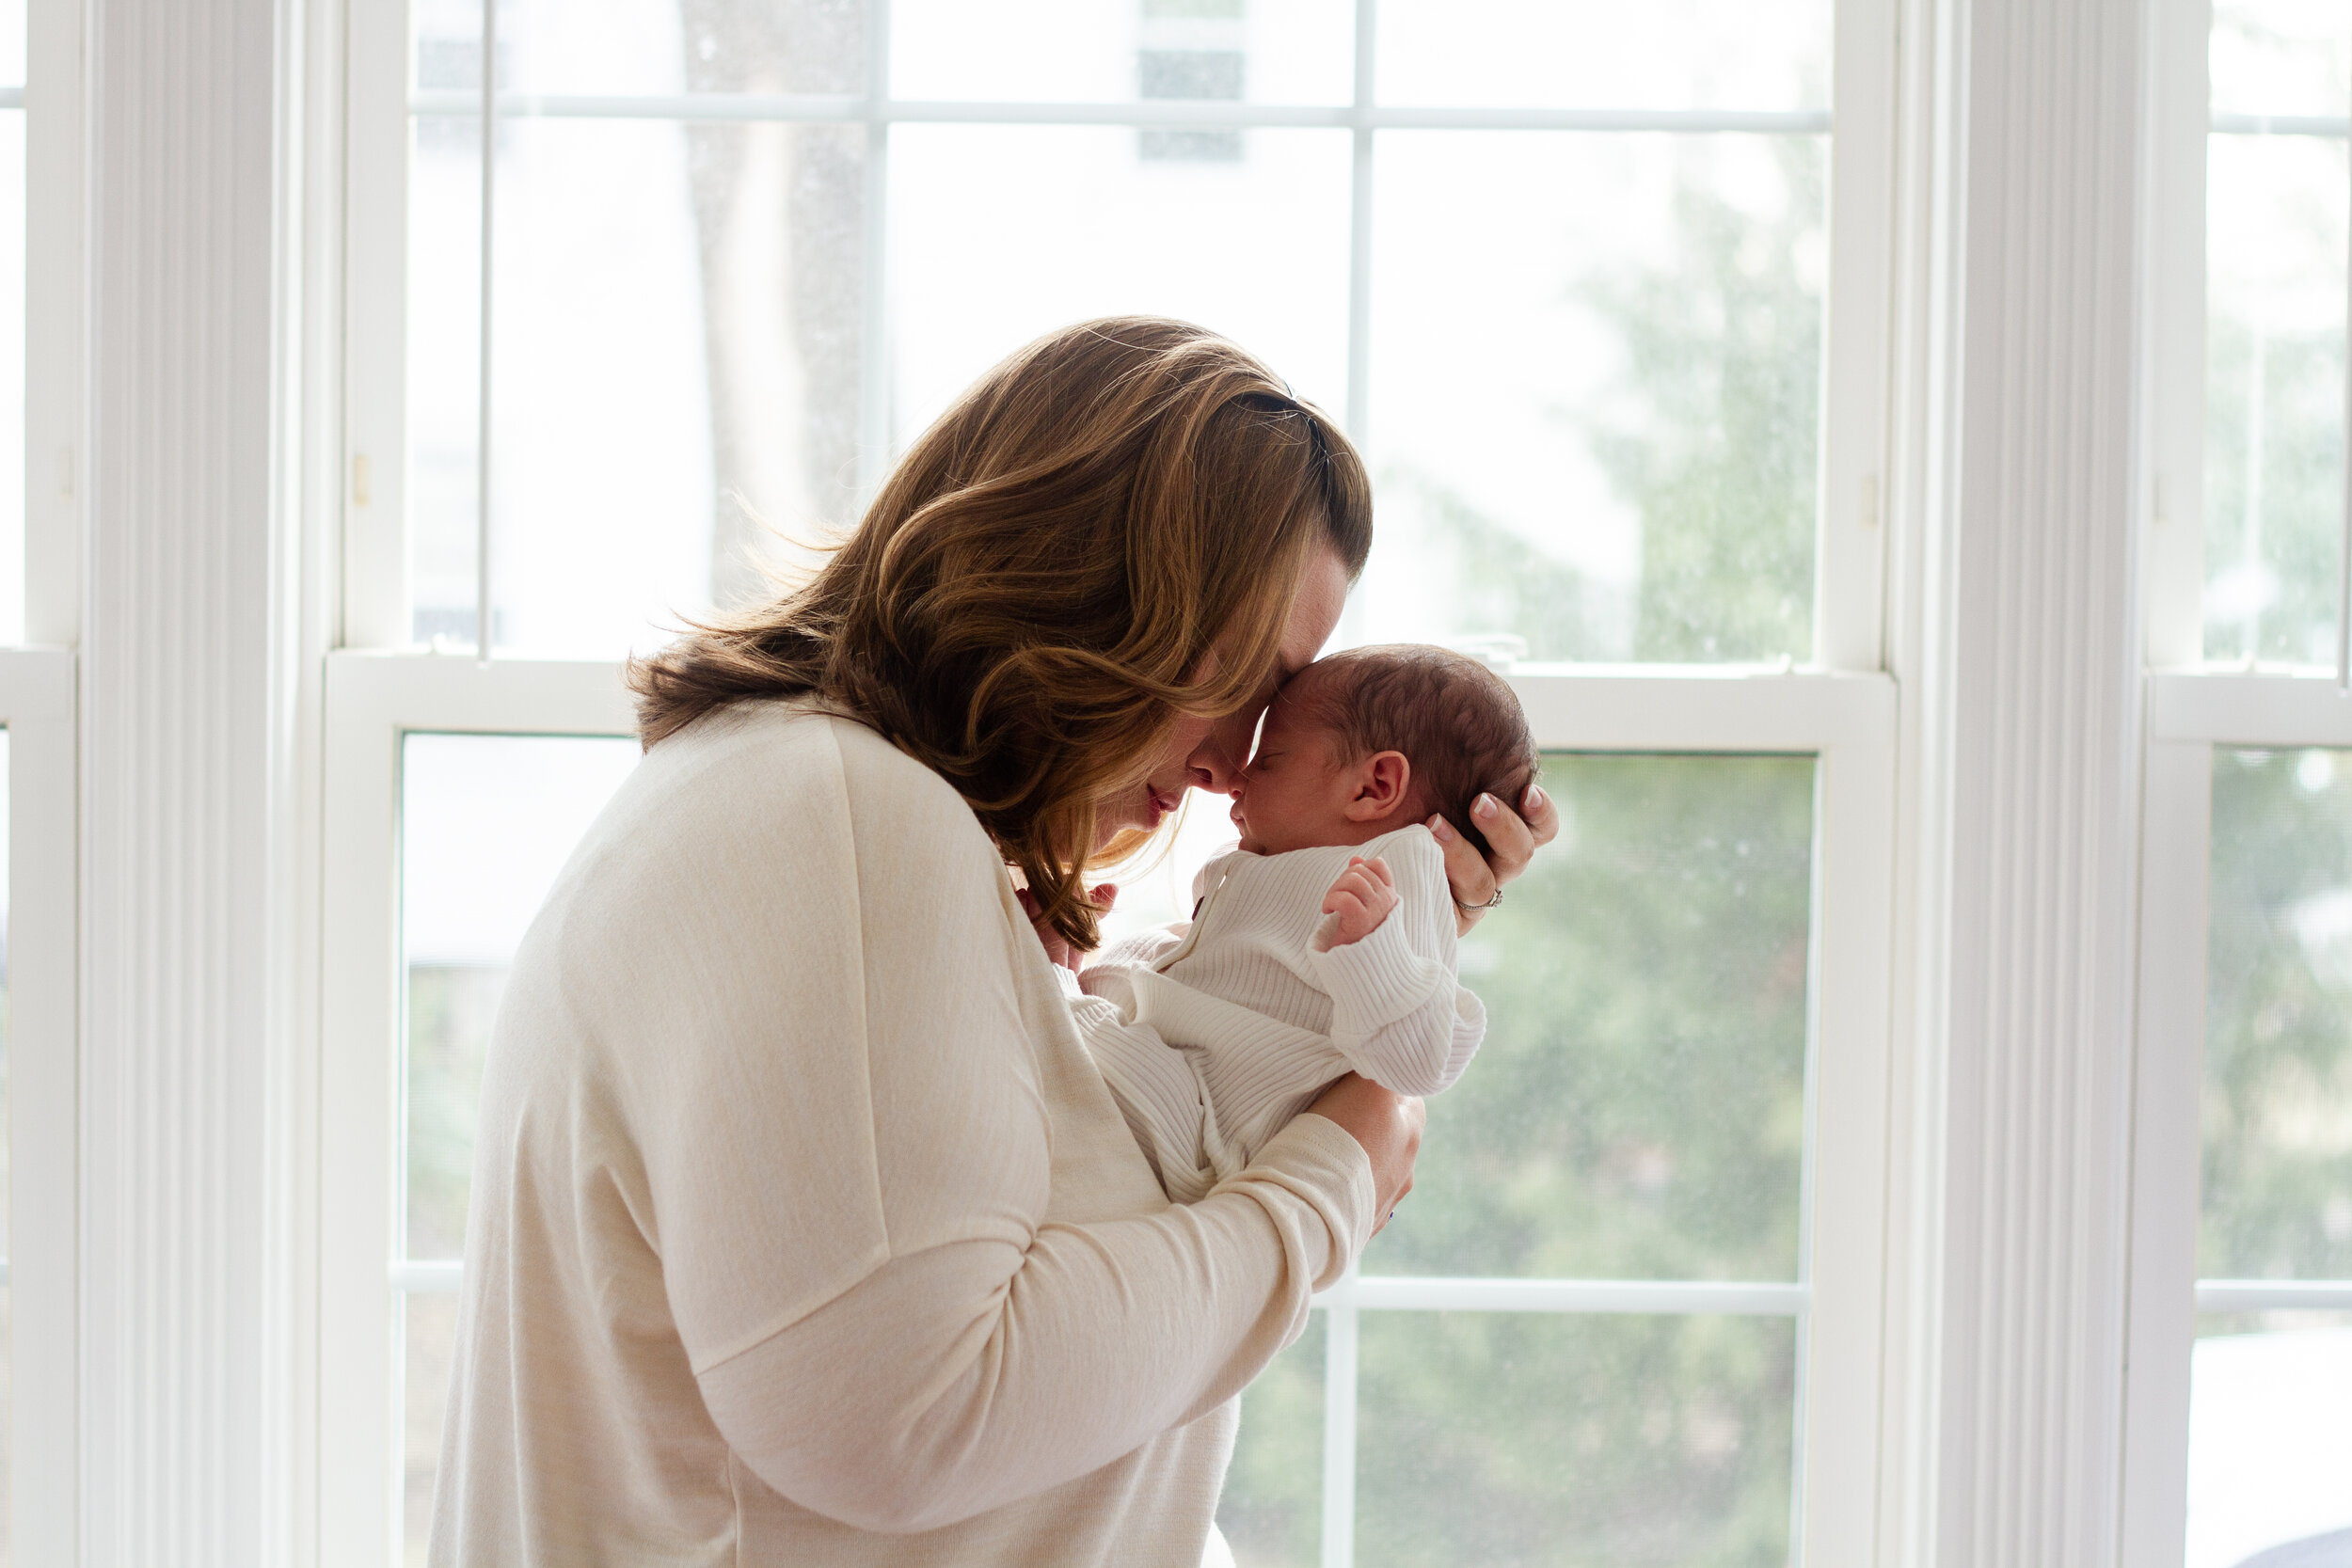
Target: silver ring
[1487,905]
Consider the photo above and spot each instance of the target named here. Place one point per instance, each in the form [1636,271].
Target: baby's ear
[1379,786]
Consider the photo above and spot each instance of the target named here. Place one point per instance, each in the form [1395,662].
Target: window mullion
[374,483]
[1849,570]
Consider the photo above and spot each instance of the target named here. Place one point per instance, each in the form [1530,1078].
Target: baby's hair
[1456,722]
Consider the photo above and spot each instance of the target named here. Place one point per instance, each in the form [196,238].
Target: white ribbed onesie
[1213,1032]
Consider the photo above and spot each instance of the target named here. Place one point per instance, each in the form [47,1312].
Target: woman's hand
[1512,837]
[1057,948]
[1388,1125]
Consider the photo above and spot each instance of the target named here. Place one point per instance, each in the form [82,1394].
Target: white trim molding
[191,627]
[36,707]
[2024,793]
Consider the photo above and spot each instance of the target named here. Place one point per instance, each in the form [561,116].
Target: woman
[804,1229]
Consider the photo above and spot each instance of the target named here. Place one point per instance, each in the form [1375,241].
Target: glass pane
[430,1334]
[2277,1095]
[1271,1510]
[1637,1108]
[1086,50]
[2274,398]
[676,355]
[999,233]
[1596,367]
[649,46]
[2270,1441]
[486,822]
[1678,54]
[1612,1442]
[2281,57]
[676,369]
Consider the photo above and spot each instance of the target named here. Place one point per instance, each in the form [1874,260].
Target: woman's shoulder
[790,744]
[759,782]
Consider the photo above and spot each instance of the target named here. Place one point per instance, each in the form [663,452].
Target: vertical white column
[2037,668]
[190,626]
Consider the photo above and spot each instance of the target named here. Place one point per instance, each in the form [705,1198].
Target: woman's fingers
[1466,874]
[1541,817]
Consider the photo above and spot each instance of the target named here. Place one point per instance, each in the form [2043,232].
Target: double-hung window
[642,295]
[2242,1311]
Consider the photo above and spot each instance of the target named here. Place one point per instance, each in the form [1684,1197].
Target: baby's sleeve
[1397,1013]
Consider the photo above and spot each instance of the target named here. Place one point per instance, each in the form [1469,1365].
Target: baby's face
[1296,791]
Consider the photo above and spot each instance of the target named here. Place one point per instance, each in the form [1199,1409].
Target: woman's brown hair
[1026,606]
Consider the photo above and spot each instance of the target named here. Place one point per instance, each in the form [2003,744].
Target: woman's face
[1209,753]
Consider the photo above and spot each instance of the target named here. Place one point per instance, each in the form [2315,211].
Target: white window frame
[1837,707]
[38,708]
[2194,706]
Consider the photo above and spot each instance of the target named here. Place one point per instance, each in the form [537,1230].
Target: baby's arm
[1158,1091]
[1397,1013]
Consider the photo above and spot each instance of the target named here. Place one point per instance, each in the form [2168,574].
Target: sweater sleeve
[1398,1014]
[949,1346]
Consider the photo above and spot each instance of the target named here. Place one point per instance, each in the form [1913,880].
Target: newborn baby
[1324,943]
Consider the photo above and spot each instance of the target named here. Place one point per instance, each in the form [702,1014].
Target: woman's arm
[965,1376]
[915,1261]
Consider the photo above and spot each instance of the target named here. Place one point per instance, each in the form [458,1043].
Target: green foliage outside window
[2278,1102]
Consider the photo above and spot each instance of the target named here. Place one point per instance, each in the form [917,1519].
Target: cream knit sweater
[1215,1033]
[805,1230]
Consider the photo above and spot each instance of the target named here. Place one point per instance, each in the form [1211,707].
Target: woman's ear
[1381,780]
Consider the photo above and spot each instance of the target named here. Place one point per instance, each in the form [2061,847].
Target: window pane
[653,46]
[1271,1510]
[2270,1440]
[2281,57]
[486,822]
[1678,54]
[676,326]
[1576,1440]
[2274,395]
[999,233]
[1089,51]
[2277,1096]
[1637,1110]
[1596,392]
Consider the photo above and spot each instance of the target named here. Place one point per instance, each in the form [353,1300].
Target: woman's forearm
[967,1375]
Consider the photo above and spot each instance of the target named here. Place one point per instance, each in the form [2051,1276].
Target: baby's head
[1374,739]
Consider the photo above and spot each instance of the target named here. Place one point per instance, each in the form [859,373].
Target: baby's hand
[1361,899]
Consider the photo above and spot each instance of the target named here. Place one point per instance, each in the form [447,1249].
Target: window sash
[1850,566]
[1847,721]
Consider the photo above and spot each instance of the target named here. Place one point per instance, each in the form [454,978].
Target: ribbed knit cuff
[1374,982]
